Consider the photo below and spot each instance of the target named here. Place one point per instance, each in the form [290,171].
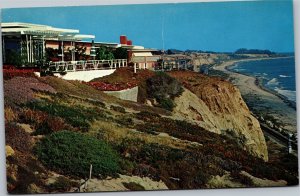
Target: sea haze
[277,74]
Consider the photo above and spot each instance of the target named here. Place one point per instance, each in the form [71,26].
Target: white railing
[71,66]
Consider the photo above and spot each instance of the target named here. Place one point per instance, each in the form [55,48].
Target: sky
[213,26]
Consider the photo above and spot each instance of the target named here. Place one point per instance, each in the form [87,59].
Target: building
[65,50]
[176,62]
[143,58]
[30,42]
[138,56]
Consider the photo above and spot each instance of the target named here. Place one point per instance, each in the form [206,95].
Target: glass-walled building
[32,44]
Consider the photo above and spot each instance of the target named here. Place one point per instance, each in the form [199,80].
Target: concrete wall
[85,75]
[128,94]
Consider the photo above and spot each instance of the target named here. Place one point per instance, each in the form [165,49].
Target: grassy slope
[180,154]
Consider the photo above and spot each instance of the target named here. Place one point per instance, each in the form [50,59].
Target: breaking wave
[284,76]
[291,95]
[273,82]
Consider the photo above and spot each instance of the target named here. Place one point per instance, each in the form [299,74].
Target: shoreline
[258,81]
[260,99]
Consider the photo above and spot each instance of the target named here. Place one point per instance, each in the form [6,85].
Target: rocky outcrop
[130,94]
[218,107]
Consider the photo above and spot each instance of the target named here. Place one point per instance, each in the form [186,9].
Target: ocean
[276,74]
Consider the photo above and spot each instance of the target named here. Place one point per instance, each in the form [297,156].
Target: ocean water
[277,74]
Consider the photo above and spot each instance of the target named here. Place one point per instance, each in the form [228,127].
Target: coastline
[259,83]
[260,100]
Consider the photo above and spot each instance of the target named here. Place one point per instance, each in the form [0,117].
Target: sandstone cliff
[217,106]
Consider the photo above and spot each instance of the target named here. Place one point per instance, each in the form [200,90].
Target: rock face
[217,106]
[127,94]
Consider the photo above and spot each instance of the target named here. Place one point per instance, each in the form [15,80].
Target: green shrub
[133,186]
[72,153]
[243,179]
[118,108]
[62,184]
[147,116]
[164,89]
[76,116]
[125,120]
[43,129]
[166,103]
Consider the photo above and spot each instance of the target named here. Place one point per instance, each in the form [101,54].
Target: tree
[104,53]
[80,52]
[15,58]
[121,53]
[253,51]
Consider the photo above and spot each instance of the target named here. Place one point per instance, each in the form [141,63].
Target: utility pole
[91,168]
[290,150]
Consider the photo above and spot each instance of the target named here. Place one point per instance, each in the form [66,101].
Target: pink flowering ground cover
[103,86]
[21,89]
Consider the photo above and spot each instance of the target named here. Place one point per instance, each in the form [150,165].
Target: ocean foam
[273,82]
[239,69]
[291,95]
[284,76]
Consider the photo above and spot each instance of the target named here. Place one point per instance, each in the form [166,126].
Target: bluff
[218,106]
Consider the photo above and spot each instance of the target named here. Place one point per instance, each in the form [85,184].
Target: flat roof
[142,54]
[42,30]
[144,50]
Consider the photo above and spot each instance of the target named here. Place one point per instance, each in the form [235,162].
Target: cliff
[202,138]
[217,106]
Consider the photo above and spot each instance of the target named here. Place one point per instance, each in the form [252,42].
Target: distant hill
[176,51]
[253,51]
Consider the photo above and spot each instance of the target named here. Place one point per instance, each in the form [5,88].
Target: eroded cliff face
[217,106]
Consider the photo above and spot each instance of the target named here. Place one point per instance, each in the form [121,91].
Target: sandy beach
[260,101]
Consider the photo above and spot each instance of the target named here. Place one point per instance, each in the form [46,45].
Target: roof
[42,30]
[142,54]
[132,47]
[112,45]
[144,50]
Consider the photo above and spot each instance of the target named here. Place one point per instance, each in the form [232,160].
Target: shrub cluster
[62,184]
[102,86]
[72,153]
[42,122]
[17,138]
[231,157]
[118,108]
[76,116]
[163,88]
[179,169]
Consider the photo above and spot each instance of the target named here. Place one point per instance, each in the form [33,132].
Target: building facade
[29,42]
[33,45]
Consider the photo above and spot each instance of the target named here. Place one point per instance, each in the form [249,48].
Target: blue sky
[221,26]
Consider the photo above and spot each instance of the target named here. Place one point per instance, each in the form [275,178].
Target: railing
[72,66]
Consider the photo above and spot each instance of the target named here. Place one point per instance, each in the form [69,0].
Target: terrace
[72,66]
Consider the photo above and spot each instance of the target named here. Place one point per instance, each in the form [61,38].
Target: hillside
[219,107]
[207,139]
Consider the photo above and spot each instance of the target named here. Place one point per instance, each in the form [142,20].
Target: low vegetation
[133,186]
[78,125]
[163,88]
[72,154]
[76,116]
[62,184]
